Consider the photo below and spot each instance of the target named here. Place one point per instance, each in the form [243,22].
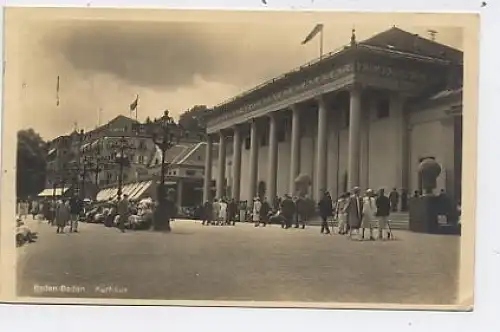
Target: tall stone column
[401,141]
[254,158]
[273,159]
[364,156]
[207,181]
[236,163]
[321,148]
[354,138]
[221,166]
[295,149]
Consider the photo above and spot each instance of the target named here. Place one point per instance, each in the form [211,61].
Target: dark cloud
[168,54]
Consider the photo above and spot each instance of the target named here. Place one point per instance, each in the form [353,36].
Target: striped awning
[133,190]
[141,190]
[50,192]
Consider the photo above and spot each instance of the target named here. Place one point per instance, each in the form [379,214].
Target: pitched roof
[404,41]
[394,41]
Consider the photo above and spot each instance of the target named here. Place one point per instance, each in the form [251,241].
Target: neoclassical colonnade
[320,172]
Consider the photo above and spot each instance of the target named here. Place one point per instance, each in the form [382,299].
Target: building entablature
[365,71]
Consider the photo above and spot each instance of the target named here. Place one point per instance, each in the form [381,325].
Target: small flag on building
[57,92]
[134,104]
[317,29]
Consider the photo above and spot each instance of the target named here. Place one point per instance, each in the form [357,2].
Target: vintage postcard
[238,158]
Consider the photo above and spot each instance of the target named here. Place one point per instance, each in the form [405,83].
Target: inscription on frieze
[390,72]
[297,88]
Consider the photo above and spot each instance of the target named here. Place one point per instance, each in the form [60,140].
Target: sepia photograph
[239,158]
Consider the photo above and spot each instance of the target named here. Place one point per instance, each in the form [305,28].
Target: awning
[134,188]
[143,188]
[84,146]
[50,192]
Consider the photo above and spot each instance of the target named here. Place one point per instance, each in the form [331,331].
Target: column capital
[271,115]
[295,108]
[355,87]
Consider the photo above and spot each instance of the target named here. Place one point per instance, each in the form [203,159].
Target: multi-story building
[365,116]
[93,154]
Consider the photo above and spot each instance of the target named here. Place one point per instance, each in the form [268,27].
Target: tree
[194,118]
[31,163]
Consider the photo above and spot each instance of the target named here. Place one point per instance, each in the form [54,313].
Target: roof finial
[353,37]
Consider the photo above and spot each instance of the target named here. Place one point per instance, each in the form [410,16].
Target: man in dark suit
[383,210]
[325,210]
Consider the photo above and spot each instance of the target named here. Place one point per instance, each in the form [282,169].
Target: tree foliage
[31,163]
[194,118]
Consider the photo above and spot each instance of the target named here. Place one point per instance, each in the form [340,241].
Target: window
[142,145]
[383,109]
[247,143]
[141,159]
[198,157]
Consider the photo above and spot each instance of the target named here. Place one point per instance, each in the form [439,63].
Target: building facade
[362,116]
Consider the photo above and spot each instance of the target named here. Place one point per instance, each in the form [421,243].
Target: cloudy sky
[104,63]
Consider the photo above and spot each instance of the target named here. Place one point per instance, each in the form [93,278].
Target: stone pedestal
[424,214]
[424,217]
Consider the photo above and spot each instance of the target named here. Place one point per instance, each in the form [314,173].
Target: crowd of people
[353,211]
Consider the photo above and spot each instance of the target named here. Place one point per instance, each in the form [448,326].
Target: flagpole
[321,44]
[137,108]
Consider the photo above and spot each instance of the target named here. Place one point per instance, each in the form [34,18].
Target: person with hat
[354,209]
[287,210]
[383,210]
[341,214]
[325,207]
[368,212]
[257,205]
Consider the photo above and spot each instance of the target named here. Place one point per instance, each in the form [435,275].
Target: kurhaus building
[365,115]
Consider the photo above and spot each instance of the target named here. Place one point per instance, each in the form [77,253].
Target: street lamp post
[122,160]
[165,134]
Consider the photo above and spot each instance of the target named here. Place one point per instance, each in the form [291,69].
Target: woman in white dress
[222,212]
[369,210]
[215,212]
[257,205]
[341,214]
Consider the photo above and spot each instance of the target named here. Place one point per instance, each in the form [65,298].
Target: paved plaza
[196,262]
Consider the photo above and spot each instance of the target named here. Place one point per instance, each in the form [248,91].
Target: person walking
[207,213]
[123,212]
[354,209]
[394,199]
[264,212]
[215,212]
[383,210]
[243,211]
[75,205]
[325,207]
[232,212]
[341,213]
[287,210]
[257,205]
[223,215]
[369,210]
[62,215]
